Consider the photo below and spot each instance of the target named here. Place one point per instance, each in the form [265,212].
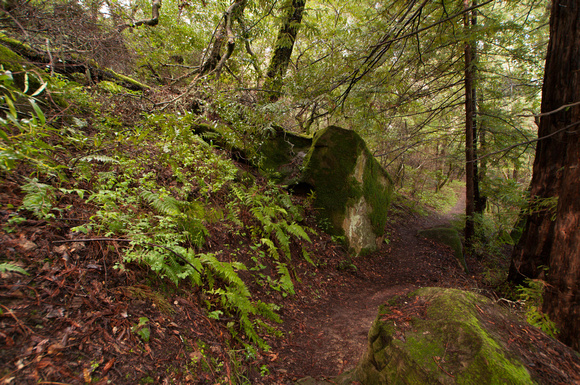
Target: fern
[39,198]
[164,204]
[531,293]
[9,267]
[99,158]
[298,231]
[226,271]
[286,283]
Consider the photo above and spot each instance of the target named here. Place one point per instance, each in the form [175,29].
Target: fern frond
[306,256]
[166,205]
[225,271]
[272,249]
[99,158]
[6,266]
[285,280]
[298,231]
[39,198]
[268,310]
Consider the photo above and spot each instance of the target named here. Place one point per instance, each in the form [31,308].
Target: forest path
[327,334]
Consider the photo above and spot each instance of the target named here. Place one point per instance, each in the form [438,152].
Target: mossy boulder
[282,155]
[449,338]
[353,191]
[450,237]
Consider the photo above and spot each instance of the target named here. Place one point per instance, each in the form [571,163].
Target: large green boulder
[353,191]
[439,336]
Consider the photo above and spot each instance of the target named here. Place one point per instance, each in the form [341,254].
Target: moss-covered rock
[283,154]
[15,63]
[447,342]
[450,237]
[353,191]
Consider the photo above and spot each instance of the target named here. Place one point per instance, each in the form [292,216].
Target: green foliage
[271,228]
[39,199]
[141,329]
[24,133]
[10,267]
[531,294]
[167,219]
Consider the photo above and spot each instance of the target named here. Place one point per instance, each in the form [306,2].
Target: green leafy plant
[9,267]
[141,329]
[39,198]
[167,221]
[531,294]
[24,130]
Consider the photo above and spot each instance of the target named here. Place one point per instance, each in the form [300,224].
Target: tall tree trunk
[551,237]
[469,136]
[284,47]
[479,199]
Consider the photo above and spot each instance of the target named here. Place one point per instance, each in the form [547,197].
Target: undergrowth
[160,189]
[531,295]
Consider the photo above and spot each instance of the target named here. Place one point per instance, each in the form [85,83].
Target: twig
[51,63]
[24,327]
[437,363]
[550,112]
[527,142]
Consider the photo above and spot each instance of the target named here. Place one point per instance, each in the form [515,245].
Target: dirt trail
[329,333]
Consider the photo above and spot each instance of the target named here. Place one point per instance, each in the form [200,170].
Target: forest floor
[328,333]
[77,319]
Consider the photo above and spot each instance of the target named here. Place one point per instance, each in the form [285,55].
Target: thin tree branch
[527,142]
[373,58]
[155,6]
[550,112]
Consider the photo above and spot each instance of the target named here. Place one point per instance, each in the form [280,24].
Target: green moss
[15,63]
[329,166]
[223,137]
[450,237]
[447,346]
[459,331]
[10,60]
[378,190]
[128,80]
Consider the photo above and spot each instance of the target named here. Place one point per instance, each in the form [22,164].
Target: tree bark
[224,36]
[284,47]
[551,238]
[469,231]
[480,201]
[155,6]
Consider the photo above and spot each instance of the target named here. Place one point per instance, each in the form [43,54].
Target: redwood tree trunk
[469,144]
[284,47]
[551,237]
